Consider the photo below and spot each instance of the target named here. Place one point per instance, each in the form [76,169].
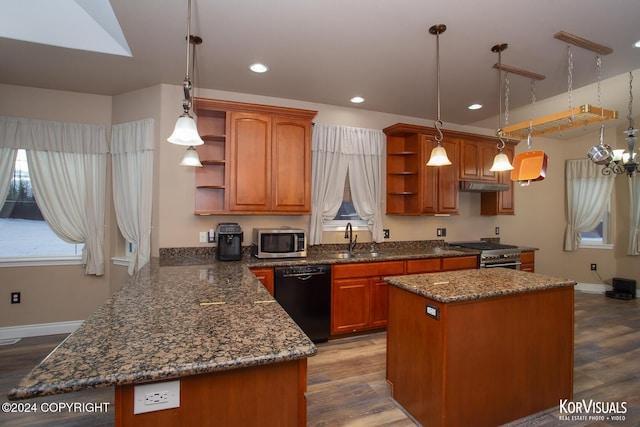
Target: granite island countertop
[168,322]
[465,285]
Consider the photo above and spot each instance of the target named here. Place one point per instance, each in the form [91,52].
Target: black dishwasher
[305,294]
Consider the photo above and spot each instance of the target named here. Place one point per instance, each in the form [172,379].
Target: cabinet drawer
[527,257]
[459,263]
[416,266]
[368,269]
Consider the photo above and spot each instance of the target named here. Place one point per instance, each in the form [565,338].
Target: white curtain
[132,154]
[67,165]
[588,192]
[336,150]
[7,164]
[634,214]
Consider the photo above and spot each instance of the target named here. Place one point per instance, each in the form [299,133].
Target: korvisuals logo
[592,410]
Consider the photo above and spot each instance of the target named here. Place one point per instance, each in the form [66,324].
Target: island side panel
[415,356]
[265,395]
[508,357]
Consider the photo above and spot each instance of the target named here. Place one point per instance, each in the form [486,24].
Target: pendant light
[500,161]
[186,131]
[438,154]
[191,158]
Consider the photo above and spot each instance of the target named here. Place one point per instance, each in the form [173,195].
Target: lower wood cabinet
[265,276]
[528,261]
[359,296]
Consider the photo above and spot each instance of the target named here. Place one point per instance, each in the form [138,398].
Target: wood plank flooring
[346,379]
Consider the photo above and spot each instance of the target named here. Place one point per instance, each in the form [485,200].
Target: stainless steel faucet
[348,234]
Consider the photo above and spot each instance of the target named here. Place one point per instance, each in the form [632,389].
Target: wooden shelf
[213,162]
[213,137]
[212,187]
[403,193]
[404,173]
[403,153]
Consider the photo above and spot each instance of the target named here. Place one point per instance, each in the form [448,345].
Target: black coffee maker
[229,241]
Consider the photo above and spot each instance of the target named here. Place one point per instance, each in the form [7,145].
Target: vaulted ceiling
[328,51]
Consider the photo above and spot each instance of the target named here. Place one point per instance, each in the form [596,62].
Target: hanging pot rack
[580,116]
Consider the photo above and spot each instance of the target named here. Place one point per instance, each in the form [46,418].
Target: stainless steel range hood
[480,186]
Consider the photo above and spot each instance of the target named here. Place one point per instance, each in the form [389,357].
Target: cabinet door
[291,172]
[379,303]
[476,158]
[500,202]
[350,305]
[250,146]
[265,276]
[448,183]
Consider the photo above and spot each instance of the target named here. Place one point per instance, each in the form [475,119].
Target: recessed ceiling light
[357,99]
[474,106]
[258,68]
[637,44]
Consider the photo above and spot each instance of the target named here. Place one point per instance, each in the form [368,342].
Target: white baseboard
[592,288]
[37,330]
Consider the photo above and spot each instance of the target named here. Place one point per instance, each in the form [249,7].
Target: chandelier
[618,161]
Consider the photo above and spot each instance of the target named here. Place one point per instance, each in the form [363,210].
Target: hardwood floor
[346,379]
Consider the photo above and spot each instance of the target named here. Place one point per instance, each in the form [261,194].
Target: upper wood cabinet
[476,158]
[416,189]
[413,188]
[256,161]
[500,202]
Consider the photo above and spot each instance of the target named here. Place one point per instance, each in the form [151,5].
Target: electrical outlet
[156,396]
[594,267]
[385,232]
[439,232]
[497,231]
[15,297]
[444,232]
[203,237]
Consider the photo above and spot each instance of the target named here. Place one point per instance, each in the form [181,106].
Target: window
[599,236]
[23,231]
[347,213]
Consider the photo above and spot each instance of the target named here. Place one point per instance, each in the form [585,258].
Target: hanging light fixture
[618,161]
[438,154]
[186,131]
[500,161]
[191,158]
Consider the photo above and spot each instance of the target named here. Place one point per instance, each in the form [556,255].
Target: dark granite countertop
[323,254]
[168,322]
[465,285]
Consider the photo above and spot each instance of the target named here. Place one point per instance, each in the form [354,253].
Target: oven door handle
[502,264]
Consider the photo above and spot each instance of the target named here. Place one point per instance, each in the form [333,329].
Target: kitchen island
[479,347]
[214,328]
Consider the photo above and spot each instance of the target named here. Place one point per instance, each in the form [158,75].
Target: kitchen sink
[342,255]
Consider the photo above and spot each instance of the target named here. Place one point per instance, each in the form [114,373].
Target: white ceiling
[327,51]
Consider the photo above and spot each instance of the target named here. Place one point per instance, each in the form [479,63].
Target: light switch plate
[156,396]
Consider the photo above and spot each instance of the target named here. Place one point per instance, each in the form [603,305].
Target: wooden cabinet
[359,297]
[256,159]
[416,189]
[432,265]
[528,261]
[440,183]
[500,202]
[413,188]
[476,158]
[266,277]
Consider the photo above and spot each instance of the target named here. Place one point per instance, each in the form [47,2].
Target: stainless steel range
[492,254]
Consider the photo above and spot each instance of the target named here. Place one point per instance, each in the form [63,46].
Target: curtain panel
[634,215]
[67,164]
[132,155]
[588,192]
[336,150]
[7,164]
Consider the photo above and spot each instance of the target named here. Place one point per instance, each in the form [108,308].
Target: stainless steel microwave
[282,242]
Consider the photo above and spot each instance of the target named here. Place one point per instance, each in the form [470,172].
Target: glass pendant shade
[185,132]
[438,157]
[501,163]
[191,158]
